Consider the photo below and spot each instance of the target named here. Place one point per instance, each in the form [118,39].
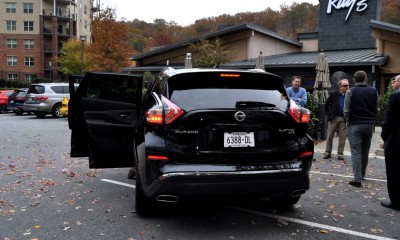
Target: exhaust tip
[167,198]
[298,192]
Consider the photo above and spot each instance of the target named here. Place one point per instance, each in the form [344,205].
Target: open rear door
[105,118]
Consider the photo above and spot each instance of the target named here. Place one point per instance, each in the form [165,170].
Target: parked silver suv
[46,98]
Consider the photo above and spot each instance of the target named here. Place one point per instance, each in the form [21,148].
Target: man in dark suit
[391,137]
[334,110]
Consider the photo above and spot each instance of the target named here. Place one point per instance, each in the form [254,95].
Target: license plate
[238,139]
[12,101]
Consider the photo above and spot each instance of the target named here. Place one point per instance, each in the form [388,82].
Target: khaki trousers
[336,124]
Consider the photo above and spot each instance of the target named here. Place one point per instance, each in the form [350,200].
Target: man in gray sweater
[360,111]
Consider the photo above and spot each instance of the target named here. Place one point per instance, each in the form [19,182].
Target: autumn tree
[295,19]
[110,49]
[70,59]
[209,53]
[390,11]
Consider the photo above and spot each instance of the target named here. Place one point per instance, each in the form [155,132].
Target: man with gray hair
[360,111]
[334,109]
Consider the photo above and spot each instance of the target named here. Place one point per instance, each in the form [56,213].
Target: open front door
[105,118]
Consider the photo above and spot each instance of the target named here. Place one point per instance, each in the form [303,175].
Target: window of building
[11,7]
[29,77]
[29,43]
[12,77]
[28,7]
[85,9]
[85,24]
[28,26]
[11,61]
[11,43]
[11,25]
[29,61]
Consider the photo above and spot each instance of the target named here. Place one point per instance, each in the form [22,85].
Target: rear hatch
[33,91]
[240,116]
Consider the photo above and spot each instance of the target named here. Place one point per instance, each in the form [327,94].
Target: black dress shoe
[354,183]
[326,156]
[390,205]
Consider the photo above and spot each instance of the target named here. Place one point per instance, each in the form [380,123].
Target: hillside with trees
[288,21]
[113,42]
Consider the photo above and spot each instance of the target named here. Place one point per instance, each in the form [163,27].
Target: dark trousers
[393,176]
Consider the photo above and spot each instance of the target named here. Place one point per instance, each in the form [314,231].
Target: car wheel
[3,108]
[56,111]
[18,112]
[39,114]
[144,205]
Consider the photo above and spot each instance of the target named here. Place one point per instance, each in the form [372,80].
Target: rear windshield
[36,89]
[21,94]
[217,93]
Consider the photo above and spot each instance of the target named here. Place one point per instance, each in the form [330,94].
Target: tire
[18,112]
[39,114]
[55,112]
[144,206]
[3,108]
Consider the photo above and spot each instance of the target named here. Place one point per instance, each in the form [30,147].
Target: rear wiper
[252,104]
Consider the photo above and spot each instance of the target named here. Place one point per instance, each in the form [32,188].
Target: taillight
[42,98]
[163,115]
[298,113]
[306,154]
[157,157]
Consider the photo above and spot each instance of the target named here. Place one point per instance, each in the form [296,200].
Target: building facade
[32,33]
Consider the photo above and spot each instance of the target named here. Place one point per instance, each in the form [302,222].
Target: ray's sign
[360,6]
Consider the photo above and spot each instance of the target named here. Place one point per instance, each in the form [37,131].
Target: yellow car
[64,107]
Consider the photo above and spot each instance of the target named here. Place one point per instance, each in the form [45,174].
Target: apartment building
[32,33]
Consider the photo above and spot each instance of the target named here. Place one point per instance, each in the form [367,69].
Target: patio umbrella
[188,60]
[260,62]
[322,82]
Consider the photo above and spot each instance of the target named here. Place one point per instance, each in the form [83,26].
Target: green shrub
[383,100]
[312,105]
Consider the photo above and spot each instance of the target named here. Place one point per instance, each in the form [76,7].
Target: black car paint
[197,164]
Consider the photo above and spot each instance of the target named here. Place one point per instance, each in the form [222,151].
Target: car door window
[114,88]
[58,89]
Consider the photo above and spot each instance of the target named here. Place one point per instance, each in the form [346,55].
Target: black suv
[195,133]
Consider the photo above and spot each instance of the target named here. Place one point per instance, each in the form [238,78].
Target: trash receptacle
[323,120]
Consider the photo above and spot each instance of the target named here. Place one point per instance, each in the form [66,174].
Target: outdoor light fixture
[83,40]
[51,72]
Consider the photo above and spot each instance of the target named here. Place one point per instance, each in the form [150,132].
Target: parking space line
[118,183]
[310,224]
[288,219]
[347,176]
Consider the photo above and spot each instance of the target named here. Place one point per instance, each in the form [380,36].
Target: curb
[380,152]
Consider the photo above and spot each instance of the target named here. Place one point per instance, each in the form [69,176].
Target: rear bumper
[266,183]
[42,107]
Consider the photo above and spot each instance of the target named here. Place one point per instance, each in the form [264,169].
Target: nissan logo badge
[240,116]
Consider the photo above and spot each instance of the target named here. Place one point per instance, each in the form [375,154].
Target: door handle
[124,115]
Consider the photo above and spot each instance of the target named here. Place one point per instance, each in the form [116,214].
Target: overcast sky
[187,12]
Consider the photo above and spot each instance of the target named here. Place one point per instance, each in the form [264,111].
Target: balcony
[73,2]
[62,32]
[59,13]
